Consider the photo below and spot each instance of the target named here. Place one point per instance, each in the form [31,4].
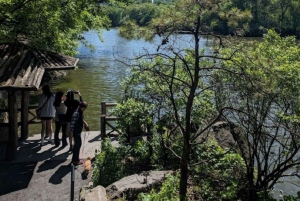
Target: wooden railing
[31,110]
[24,121]
[106,119]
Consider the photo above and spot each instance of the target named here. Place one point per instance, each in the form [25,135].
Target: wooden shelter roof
[23,67]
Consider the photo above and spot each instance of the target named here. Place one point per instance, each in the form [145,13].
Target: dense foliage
[261,91]
[50,24]
[282,15]
[201,86]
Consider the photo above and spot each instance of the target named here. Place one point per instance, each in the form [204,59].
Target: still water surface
[99,74]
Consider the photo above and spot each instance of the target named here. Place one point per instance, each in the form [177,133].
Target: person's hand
[86,126]
[79,94]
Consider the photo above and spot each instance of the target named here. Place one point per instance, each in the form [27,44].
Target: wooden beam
[19,109]
[24,115]
[18,88]
[59,68]
[12,144]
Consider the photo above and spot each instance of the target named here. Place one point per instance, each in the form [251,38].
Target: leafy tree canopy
[55,25]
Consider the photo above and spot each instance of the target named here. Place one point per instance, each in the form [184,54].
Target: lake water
[99,74]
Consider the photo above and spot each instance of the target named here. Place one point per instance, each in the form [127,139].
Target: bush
[134,117]
[168,191]
[216,175]
[108,167]
[114,163]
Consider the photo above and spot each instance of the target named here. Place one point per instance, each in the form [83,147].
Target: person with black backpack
[72,104]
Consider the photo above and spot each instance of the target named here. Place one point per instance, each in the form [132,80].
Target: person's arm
[80,97]
[86,126]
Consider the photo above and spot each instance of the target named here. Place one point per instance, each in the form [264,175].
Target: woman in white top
[47,113]
[60,119]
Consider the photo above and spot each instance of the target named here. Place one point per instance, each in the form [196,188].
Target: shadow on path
[60,173]
[15,176]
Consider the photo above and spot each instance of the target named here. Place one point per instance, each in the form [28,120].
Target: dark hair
[70,97]
[83,104]
[46,90]
[58,97]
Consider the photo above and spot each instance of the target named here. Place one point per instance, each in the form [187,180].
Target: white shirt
[48,109]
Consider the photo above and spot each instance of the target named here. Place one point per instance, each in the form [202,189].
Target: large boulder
[228,136]
[88,193]
[129,187]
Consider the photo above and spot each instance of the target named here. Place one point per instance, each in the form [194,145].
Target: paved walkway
[44,173]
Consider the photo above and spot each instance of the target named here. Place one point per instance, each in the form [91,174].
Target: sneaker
[77,162]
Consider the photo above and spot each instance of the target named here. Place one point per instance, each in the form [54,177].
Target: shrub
[216,174]
[108,165]
[168,192]
[134,117]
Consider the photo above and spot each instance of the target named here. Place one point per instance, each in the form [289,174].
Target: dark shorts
[46,118]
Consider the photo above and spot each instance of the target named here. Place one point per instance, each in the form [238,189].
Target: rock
[227,136]
[222,134]
[53,75]
[132,185]
[95,194]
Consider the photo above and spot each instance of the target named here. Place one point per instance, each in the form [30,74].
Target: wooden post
[12,144]
[102,120]
[24,115]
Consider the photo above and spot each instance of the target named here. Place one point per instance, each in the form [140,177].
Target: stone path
[44,173]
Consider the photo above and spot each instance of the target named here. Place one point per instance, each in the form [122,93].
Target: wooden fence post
[102,119]
[24,114]
[12,144]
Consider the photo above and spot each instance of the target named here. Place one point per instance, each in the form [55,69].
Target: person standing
[72,104]
[77,124]
[47,113]
[60,117]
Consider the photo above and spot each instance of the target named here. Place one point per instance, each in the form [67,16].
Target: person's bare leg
[43,131]
[49,129]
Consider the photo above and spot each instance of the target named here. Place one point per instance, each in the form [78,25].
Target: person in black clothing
[60,121]
[77,124]
[72,104]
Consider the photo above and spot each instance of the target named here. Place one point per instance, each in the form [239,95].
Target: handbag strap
[44,103]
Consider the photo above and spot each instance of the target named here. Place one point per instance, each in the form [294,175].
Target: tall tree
[180,73]
[55,25]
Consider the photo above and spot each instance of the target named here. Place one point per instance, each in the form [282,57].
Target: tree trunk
[184,170]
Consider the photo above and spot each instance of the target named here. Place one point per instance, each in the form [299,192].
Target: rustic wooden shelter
[21,70]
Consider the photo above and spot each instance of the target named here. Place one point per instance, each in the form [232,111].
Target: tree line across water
[281,15]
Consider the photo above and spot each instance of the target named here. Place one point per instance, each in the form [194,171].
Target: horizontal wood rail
[31,121]
[31,107]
